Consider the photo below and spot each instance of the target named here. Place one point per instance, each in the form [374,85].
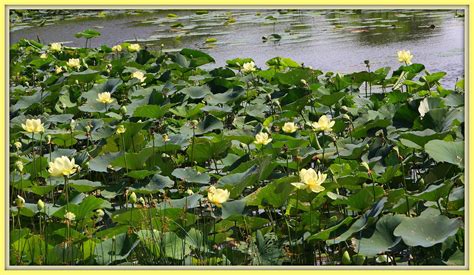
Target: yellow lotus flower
[117,48]
[217,196]
[18,145]
[133,47]
[20,201]
[74,63]
[33,126]
[310,180]
[62,166]
[139,75]
[58,70]
[19,165]
[105,98]
[248,67]
[289,127]
[55,47]
[405,57]
[70,216]
[262,138]
[323,124]
[121,129]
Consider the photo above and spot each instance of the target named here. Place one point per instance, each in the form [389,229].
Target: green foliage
[393,162]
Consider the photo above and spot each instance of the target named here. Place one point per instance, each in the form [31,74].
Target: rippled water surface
[330,40]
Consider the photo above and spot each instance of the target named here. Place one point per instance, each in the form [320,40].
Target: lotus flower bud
[99,213]
[133,198]
[123,110]
[346,258]
[366,165]
[40,205]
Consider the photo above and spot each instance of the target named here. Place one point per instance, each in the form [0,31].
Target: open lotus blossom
[134,47]
[105,98]
[74,63]
[248,67]
[62,166]
[55,47]
[405,57]
[70,216]
[20,201]
[323,124]
[117,48]
[289,127]
[121,129]
[262,138]
[58,69]
[310,180]
[139,75]
[217,196]
[33,126]
[19,165]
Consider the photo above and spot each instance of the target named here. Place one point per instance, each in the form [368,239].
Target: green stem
[405,188]
[66,193]
[124,153]
[34,154]
[192,148]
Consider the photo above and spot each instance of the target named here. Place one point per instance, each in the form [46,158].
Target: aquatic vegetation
[138,157]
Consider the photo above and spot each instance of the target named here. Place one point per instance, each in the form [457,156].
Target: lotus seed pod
[88,128]
[346,258]
[40,205]
[133,198]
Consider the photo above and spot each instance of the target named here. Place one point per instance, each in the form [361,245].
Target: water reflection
[335,40]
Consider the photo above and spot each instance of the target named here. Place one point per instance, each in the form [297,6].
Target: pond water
[330,40]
